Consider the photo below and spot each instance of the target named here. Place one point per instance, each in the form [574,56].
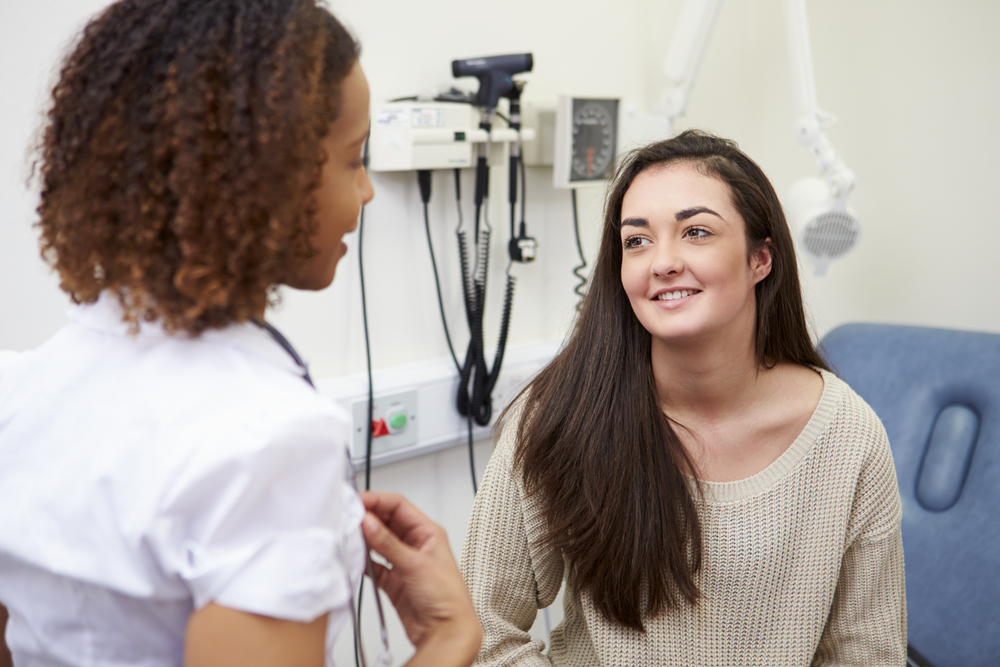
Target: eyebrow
[679,217]
[691,212]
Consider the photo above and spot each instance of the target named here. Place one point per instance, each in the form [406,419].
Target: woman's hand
[424,583]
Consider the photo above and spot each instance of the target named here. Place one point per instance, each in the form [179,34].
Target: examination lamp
[826,228]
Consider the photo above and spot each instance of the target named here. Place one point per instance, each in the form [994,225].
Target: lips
[675,294]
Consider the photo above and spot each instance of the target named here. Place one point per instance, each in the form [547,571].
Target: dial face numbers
[595,130]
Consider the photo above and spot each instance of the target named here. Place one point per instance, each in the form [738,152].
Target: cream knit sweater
[803,563]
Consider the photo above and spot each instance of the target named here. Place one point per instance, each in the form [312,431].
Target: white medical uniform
[142,477]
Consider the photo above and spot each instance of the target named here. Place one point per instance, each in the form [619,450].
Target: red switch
[379,428]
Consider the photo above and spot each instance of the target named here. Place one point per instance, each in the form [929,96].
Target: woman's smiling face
[684,257]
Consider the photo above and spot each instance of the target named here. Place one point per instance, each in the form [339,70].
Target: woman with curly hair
[709,491]
[174,491]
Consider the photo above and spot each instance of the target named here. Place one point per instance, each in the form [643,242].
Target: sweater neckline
[726,492]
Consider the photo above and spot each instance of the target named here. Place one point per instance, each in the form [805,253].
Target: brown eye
[696,233]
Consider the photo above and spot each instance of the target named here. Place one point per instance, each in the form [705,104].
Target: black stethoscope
[384,658]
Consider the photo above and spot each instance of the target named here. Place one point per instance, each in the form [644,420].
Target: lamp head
[825,227]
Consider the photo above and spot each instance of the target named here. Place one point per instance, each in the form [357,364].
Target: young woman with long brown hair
[173,490]
[708,490]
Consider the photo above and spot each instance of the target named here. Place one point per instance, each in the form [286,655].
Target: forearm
[508,581]
[218,636]
[453,647]
[867,624]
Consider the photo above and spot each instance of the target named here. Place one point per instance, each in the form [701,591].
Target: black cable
[371,394]
[476,379]
[514,122]
[368,349]
[472,457]
[508,302]
[437,279]
[463,260]
[513,199]
[524,197]
[579,248]
[470,399]
[469,294]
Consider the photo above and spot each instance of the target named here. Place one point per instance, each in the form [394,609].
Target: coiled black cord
[473,392]
[469,294]
[579,288]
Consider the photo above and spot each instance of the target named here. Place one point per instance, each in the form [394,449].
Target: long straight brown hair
[593,445]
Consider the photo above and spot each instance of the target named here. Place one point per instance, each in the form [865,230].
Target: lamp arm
[810,122]
[687,49]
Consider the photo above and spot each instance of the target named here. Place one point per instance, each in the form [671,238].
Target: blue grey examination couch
[937,392]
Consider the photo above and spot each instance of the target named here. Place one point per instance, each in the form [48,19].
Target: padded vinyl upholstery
[937,392]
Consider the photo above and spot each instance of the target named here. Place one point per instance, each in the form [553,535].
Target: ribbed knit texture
[803,563]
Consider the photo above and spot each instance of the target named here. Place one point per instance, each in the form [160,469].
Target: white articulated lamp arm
[687,49]
[818,207]
[810,122]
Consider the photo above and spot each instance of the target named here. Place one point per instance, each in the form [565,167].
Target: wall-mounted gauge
[586,141]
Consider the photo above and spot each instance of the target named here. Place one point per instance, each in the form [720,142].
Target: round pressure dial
[595,130]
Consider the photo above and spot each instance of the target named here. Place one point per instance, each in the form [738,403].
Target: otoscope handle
[515,146]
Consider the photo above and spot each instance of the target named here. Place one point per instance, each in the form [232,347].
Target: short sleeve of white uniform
[262,517]
[7,357]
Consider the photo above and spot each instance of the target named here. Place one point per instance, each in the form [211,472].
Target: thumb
[383,542]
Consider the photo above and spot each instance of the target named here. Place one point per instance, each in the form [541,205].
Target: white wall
[915,90]
[913,83]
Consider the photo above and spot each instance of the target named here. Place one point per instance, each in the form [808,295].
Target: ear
[760,262]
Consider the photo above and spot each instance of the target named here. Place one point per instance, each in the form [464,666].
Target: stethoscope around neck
[384,658]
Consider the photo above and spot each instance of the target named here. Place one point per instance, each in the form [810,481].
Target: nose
[365,188]
[668,260]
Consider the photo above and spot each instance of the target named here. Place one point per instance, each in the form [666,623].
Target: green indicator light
[398,421]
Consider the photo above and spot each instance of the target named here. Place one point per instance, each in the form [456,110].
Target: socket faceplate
[384,407]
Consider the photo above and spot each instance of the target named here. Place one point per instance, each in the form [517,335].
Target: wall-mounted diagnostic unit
[452,132]
[586,141]
[410,136]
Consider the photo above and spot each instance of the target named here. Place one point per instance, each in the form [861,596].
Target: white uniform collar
[105,316]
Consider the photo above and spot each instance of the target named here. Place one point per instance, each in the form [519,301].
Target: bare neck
[705,379]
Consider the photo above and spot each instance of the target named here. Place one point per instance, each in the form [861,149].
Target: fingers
[383,542]
[379,573]
[400,515]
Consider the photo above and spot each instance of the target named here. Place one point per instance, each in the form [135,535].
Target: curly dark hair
[181,151]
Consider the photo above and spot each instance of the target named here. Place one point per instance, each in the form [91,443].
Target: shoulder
[10,362]
[506,429]
[852,420]
[859,444]
[173,404]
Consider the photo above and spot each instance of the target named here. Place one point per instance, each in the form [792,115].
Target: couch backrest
[937,392]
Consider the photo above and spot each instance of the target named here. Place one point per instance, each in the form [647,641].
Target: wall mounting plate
[394,144]
[407,136]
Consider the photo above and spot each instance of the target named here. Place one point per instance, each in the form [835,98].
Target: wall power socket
[394,418]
